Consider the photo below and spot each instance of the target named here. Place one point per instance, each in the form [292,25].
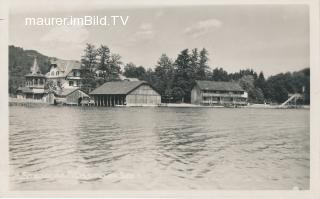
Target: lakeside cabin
[214,93]
[126,93]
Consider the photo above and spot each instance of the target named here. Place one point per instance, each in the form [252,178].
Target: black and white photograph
[160,96]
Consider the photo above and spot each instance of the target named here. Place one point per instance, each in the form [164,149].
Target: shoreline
[19,102]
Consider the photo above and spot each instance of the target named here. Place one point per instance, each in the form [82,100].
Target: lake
[90,148]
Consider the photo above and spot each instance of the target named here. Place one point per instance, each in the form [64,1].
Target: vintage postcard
[160,98]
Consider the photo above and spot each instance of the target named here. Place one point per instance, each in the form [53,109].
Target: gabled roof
[219,86]
[117,88]
[67,91]
[66,65]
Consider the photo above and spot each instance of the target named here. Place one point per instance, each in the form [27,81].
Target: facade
[64,73]
[126,93]
[213,93]
[34,87]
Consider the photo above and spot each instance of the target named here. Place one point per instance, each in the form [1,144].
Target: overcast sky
[269,38]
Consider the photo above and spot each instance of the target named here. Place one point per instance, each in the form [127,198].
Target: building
[34,87]
[65,73]
[71,96]
[129,93]
[211,93]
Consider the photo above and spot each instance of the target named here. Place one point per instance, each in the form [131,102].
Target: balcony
[223,95]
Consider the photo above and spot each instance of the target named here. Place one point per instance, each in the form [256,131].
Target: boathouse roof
[117,88]
[219,86]
[67,91]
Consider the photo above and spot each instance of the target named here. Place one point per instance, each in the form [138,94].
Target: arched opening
[79,101]
[55,102]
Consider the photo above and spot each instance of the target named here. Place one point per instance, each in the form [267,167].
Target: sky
[268,38]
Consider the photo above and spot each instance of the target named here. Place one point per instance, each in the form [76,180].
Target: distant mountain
[20,62]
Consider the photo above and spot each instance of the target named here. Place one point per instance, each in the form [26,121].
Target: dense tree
[202,70]
[88,65]
[163,76]
[104,59]
[114,67]
[132,71]
[255,95]
[241,73]
[218,74]
[184,77]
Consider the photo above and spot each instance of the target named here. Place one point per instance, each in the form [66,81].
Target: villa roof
[219,86]
[117,88]
[66,65]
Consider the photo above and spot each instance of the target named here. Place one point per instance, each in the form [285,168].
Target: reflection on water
[158,148]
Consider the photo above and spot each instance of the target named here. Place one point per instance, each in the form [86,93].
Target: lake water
[85,148]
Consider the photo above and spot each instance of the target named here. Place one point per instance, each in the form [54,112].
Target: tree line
[174,79]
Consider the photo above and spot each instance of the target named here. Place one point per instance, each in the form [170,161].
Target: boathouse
[71,96]
[212,93]
[126,93]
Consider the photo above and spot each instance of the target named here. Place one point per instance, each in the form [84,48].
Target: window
[52,73]
[57,73]
[70,83]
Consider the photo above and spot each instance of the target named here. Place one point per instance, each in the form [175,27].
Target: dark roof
[219,86]
[117,88]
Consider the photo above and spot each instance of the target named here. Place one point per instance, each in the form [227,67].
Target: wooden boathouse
[126,93]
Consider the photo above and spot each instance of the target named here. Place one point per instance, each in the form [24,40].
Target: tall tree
[114,67]
[88,64]
[202,72]
[163,76]
[184,77]
[103,53]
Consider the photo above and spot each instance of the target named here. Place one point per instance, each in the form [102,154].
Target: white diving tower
[292,100]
